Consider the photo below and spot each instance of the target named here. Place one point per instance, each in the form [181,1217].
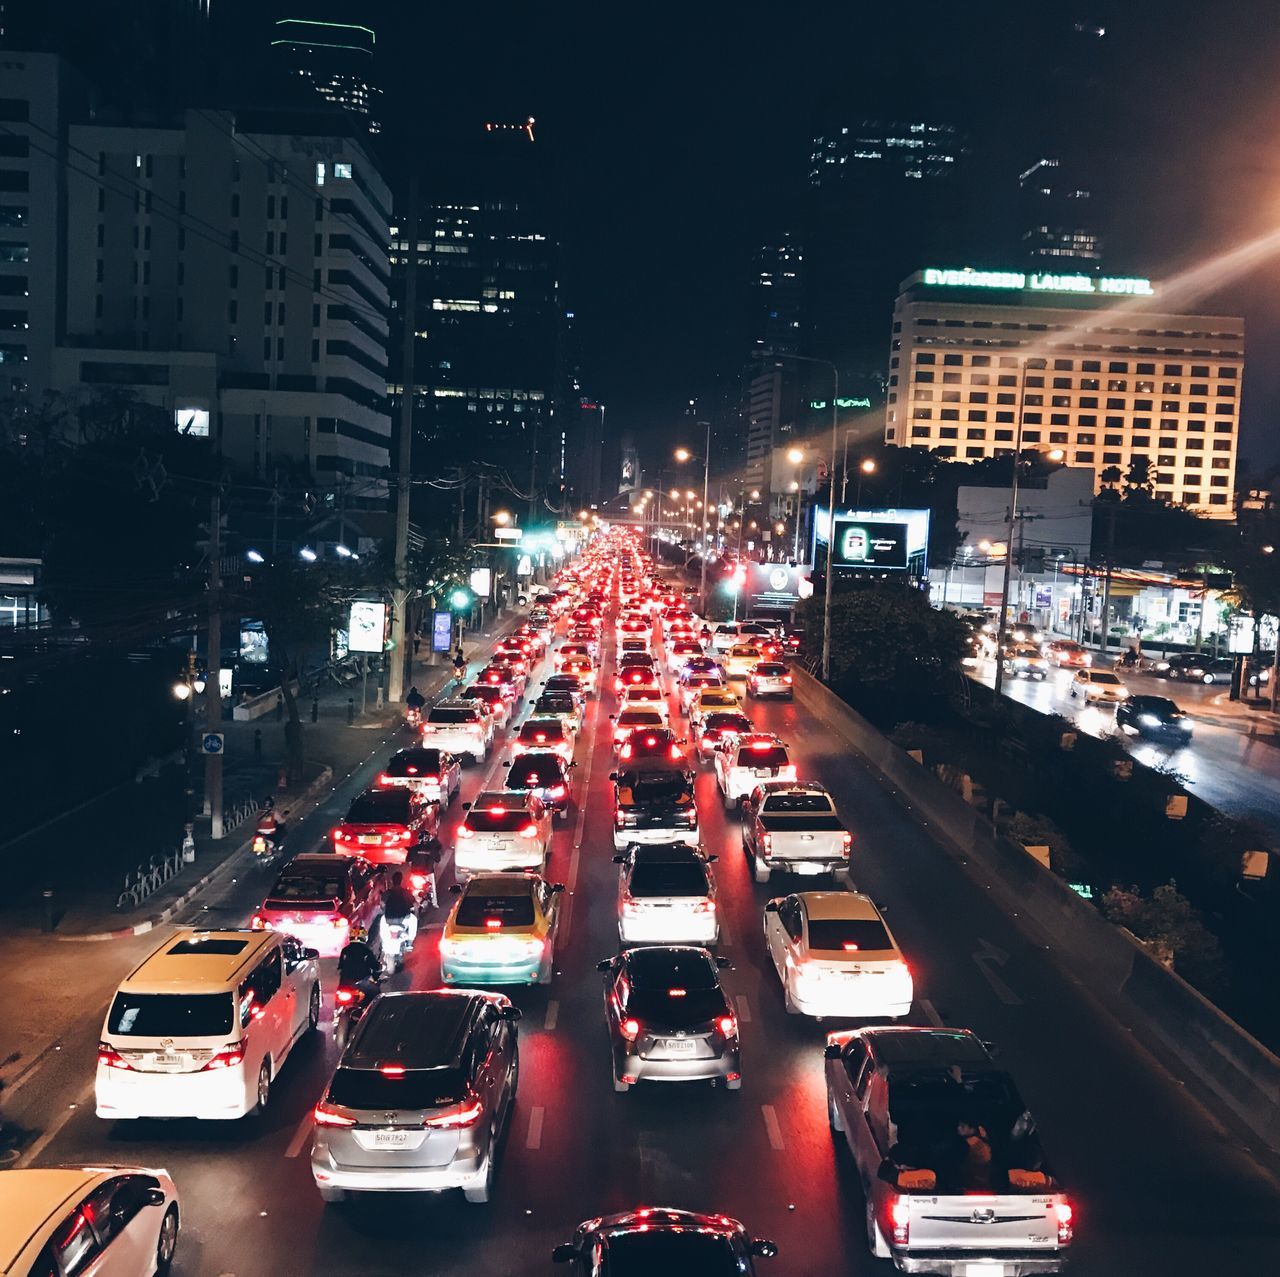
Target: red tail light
[417,881]
[1064,1215]
[465,831]
[630,1029]
[786,678]
[705,906]
[766,845]
[465,1114]
[529,831]
[229,1056]
[383,778]
[558,791]
[258,922]
[900,1218]
[325,1115]
[345,997]
[108,1055]
[846,842]
[392,1070]
[728,1025]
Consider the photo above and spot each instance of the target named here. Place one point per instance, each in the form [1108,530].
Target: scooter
[395,944]
[268,840]
[349,1003]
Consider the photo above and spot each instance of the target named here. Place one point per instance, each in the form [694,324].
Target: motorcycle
[395,944]
[413,718]
[349,1004]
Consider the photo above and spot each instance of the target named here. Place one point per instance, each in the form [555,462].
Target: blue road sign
[211,743]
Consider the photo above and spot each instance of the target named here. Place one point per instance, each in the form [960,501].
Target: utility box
[1254,865]
[1175,806]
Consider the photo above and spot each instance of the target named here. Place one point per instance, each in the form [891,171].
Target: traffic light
[460,600]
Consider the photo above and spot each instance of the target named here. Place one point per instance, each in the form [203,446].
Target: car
[100,1220]
[569,684]
[741,659]
[495,699]
[651,698]
[709,700]
[770,678]
[571,652]
[679,653]
[633,646]
[1215,669]
[1026,661]
[503,830]
[635,718]
[518,648]
[692,683]
[654,804]
[322,899]
[636,676]
[1066,654]
[542,773]
[384,825]
[1021,632]
[666,895]
[587,637]
[541,622]
[1156,717]
[657,744]
[549,732]
[510,676]
[668,1019]
[836,956]
[501,930]
[1098,685]
[723,637]
[435,775]
[461,727]
[743,762]
[420,1098]
[559,705]
[1172,666]
[655,1239]
[203,1025]
[720,725]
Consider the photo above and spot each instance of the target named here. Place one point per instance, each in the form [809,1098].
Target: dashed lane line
[930,1012]
[553,1014]
[299,1137]
[772,1128]
[534,1138]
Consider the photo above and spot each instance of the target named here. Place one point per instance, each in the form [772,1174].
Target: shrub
[1171,930]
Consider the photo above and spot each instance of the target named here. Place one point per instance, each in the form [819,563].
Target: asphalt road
[1159,1187]
[1231,769]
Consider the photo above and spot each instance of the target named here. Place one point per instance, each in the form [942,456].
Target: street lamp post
[1010,523]
[865,467]
[683,454]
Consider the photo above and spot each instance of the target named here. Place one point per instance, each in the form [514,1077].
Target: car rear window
[534,769]
[640,718]
[770,669]
[413,1089]
[458,715]
[728,722]
[414,762]
[508,820]
[170,1015]
[381,805]
[849,935]
[656,787]
[539,732]
[641,1254]
[671,968]
[770,756]
[477,910]
[793,803]
[307,887]
[676,878]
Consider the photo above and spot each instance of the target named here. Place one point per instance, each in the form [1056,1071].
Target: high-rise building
[1097,372]
[232,270]
[1057,216]
[335,59]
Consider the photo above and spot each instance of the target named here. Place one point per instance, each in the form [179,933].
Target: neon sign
[818,404]
[1019,281]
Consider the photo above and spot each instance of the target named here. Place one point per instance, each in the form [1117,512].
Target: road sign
[211,743]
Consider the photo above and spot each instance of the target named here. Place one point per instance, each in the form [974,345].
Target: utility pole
[1008,538]
[408,394]
[1106,580]
[212,687]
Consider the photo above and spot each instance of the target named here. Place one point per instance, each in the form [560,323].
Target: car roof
[195,959]
[916,1045]
[840,905]
[317,861]
[658,1218]
[35,1199]
[419,1029]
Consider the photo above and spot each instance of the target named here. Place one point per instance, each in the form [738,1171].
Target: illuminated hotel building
[1102,374]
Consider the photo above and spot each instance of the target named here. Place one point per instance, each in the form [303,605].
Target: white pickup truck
[795,828]
[952,1170]
[461,727]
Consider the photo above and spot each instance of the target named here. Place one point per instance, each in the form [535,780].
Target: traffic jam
[423,1078]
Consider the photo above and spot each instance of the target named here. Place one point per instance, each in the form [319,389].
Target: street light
[795,455]
[683,454]
[307,554]
[254,557]
[502,518]
[182,690]
[343,552]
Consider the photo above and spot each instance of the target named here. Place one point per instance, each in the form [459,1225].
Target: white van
[202,1027]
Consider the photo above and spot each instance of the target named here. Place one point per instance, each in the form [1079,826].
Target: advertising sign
[481,582]
[441,631]
[366,630]
[774,585]
[253,643]
[1044,596]
[874,540]
[508,534]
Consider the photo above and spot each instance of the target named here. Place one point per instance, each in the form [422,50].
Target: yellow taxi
[742,658]
[714,700]
[502,930]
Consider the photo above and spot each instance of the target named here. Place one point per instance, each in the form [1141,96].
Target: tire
[761,872]
[787,1001]
[479,1194]
[313,1009]
[332,1195]
[264,1088]
[167,1242]
[341,1032]
[876,1243]
[834,1120]
[1208,680]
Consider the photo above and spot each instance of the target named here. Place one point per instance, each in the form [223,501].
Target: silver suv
[420,1096]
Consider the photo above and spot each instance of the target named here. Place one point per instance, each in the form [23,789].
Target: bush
[1171,930]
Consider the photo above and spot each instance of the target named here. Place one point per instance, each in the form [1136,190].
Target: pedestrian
[417,644]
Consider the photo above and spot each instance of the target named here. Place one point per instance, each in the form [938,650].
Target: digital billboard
[875,540]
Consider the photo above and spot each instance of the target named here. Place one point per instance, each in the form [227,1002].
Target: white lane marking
[553,1014]
[299,1137]
[772,1127]
[566,919]
[930,1012]
[571,882]
[51,1132]
[987,957]
[744,1009]
[534,1138]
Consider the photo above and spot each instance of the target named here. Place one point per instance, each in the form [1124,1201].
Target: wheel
[264,1088]
[834,1120]
[332,1195]
[167,1242]
[479,1194]
[762,872]
[875,1238]
[313,1009]
[341,1031]
[1208,679]
[787,1001]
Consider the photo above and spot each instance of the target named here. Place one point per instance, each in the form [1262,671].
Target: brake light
[766,845]
[626,750]
[1064,1214]
[540,737]
[258,922]
[529,831]
[465,831]
[846,842]
[630,1029]
[759,746]
[674,751]
[493,924]
[900,1218]
[383,778]
[108,1055]
[345,997]
[325,1115]
[705,906]
[465,1114]
[498,810]
[676,993]
[229,1056]
[558,791]
[728,1025]
[786,678]
[392,1070]
[850,947]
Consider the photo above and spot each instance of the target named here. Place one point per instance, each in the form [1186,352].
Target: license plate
[679,1046]
[390,1139]
[167,1059]
[370,838]
[984,1270]
[804,867]
[762,773]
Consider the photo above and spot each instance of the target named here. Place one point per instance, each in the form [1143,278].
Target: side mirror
[513,1014]
[771,907]
[763,1248]
[557,887]
[613,776]
[721,961]
[565,1253]
[604,964]
[155,1197]
[507,763]
[455,889]
[311,955]
[831,1051]
[991,1049]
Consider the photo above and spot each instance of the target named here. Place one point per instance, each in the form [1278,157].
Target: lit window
[341,170]
[320,172]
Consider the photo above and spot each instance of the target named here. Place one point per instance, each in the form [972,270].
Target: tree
[892,655]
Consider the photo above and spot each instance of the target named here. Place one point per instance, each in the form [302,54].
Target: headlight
[1148,720]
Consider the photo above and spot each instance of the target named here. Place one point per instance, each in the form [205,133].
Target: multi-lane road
[1159,1186]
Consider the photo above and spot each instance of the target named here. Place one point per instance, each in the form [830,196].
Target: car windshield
[530,770]
[777,804]
[476,909]
[307,886]
[170,1015]
[849,935]
[380,806]
[671,878]
[458,715]
[641,1254]
[1157,705]
[413,1089]
[554,703]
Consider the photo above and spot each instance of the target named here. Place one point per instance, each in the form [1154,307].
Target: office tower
[335,59]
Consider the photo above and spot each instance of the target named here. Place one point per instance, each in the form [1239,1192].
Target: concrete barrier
[256,706]
[1175,1022]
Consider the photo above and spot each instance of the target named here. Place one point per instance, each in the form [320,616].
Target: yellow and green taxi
[502,930]
[742,659]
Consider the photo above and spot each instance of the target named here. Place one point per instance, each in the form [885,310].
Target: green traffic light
[460,599]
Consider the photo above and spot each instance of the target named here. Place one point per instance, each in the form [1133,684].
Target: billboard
[774,585]
[366,630]
[875,540]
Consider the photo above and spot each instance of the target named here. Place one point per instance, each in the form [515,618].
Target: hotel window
[1062,383]
[1199,370]
[977,414]
[1005,380]
[981,361]
[1091,365]
[948,451]
[1113,441]
[1059,419]
[1117,366]
[922,414]
[1195,445]
[949,432]
[1090,383]
[1086,419]
[1171,388]
[978,396]
[1065,365]
[949,414]
[1006,398]
[1035,381]
[975,452]
[1110,458]
[922,393]
[1057,436]
[1004,436]
[926,357]
[952,378]
[1008,361]
[1194,463]
[1033,419]
[1115,403]
[1144,387]
[1088,401]
[1225,392]
[920,432]
[1168,405]
[973,433]
[1191,498]
[1060,401]
[1142,405]
[1146,368]
[1218,498]
[979,379]
[1227,372]
[1221,463]
[1004,416]
[1167,459]
[951,396]
[1084,456]
[1222,445]
[924,376]
[1168,441]
[1140,441]
[1173,370]
[1222,427]
[1031,436]
[1196,427]
[953,359]
[1086,436]
[1113,423]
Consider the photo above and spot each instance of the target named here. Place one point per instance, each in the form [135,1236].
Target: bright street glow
[683,454]
[182,690]
[502,517]
[342,552]
[795,455]
[868,466]
[307,553]
[254,557]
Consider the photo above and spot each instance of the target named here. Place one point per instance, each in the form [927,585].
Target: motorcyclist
[271,826]
[415,700]
[459,663]
[358,964]
[398,906]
